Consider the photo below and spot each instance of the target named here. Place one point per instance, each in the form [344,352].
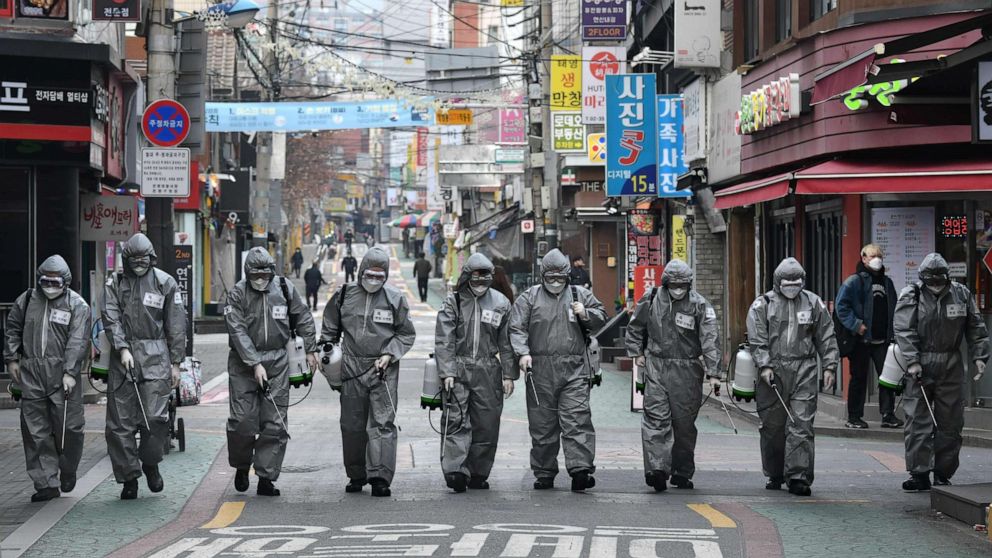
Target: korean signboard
[568,132]
[421,147]
[631,135]
[906,235]
[694,113]
[646,277]
[455,117]
[769,105]
[165,172]
[184,281]
[306,117]
[116,10]
[43,9]
[107,218]
[698,38]
[644,246]
[597,63]
[566,82]
[51,101]
[604,20]
[597,148]
[983,106]
[512,126]
[724,158]
[671,163]
[7,8]
[680,242]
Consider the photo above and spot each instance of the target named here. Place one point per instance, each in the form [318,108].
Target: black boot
[380,488]
[266,488]
[940,480]
[154,478]
[799,487]
[241,482]
[582,481]
[456,482]
[544,483]
[678,481]
[478,483]
[917,483]
[659,481]
[68,481]
[130,490]
[45,494]
[774,483]
[355,485]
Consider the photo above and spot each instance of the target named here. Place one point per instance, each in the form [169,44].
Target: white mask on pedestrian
[372,281]
[52,292]
[555,286]
[678,293]
[791,289]
[875,264]
[260,284]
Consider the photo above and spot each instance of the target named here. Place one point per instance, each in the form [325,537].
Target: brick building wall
[708,266]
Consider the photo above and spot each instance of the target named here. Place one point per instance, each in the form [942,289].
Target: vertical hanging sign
[671,162]
[631,135]
[566,82]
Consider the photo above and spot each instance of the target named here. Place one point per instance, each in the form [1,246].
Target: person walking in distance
[350,264]
[297,261]
[313,279]
[578,275]
[422,271]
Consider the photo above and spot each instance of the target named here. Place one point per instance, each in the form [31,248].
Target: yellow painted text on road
[716,519]
[228,513]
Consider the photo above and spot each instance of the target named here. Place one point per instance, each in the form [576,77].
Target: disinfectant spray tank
[430,397]
[894,369]
[330,365]
[745,375]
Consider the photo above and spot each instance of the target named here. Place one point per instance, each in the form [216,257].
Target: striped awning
[429,218]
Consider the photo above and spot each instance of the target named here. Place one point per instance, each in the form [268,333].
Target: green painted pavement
[813,530]
[101,522]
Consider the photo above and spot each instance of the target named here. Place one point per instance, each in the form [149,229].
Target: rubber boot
[456,482]
[940,480]
[544,483]
[774,483]
[45,494]
[266,488]
[68,482]
[678,481]
[799,487]
[582,481]
[478,483]
[241,481]
[130,490]
[658,481]
[355,485]
[380,488]
[154,478]
[917,483]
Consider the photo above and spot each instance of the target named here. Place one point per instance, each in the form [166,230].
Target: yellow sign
[596,144]
[454,117]
[336,205]
[356,191]
[511,3]
[566,82]
[680,244]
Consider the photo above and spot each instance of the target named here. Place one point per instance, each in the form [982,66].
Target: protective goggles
[140,261]
[481,278]
[256,274]
[935,280]
[679,286]
[51,283]
[555,277]
[791,283]
[375,275]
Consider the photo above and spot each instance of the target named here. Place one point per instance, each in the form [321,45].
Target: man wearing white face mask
[145,319]
[674,336]
[866,303]
[476,364]
[46,345]
[787,329]
[932,318]
[371,320]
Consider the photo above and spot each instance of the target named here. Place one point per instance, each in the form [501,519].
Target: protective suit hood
[555,262]
[677,271]
[259,258]
[789,270]
[139,245]
[476,262]
[56,265]
[933,264]
[375,257]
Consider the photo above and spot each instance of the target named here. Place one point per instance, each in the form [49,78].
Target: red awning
[844,77]
[756,191]
[894,177]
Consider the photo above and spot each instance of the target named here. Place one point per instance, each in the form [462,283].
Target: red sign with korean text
[646,277]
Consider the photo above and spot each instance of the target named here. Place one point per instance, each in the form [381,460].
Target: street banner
[306,117]
[568,132]
[604,20]
[680,242]
[646,277]
[184,281]
[671,163]
[566,82]
[597,63]
[631,135]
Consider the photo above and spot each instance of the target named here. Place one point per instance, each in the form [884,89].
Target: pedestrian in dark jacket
[866,304]
[578,275]
[422,271]
[313,279]
[350,264]
[297,261]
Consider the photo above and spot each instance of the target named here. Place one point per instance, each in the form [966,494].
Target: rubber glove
[68,383]
[579,309]
[980,365]
[260,376]
[449,383]
[768,375]
[915,370]
[526,363]
[507,388]
[175,376]
[639,361]
[828,380]
[312,361]
[14,369]
[383,361]
[127,359]
[715,385]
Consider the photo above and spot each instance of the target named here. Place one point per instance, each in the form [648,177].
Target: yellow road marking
[228,513]
[715,518]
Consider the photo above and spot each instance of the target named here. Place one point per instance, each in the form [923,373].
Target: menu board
[906,235]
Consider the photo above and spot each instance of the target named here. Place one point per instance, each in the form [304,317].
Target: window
[750,29]
[819,8]
[783,20]
[340,24]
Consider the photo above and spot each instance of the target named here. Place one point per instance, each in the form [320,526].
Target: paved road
[856,509]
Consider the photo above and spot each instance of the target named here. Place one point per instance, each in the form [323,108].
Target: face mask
[875,264]
[260,284]
[140,270]
[52,292]
[371,285]
[554,287]
[678,293]
[479,290]
[935,289]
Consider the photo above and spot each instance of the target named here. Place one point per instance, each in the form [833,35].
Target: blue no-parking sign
[165,123]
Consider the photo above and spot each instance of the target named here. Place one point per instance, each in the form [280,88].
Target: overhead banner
[597,63]
[604,20]
[305,117]
[698,38]
[671,163]
[566,82]
[631,135]
[569,133]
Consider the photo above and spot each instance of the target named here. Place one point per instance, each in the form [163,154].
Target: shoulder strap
[289,304]
[27,300]
[582,327]
[458,306]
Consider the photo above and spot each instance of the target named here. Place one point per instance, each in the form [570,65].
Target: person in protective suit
[145,320]
[261,313]
[476,364]
[674,337]
[375,331]
[787,328]
[548,331]
[932,318]
[47,341]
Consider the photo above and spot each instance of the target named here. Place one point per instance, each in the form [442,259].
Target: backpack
[289,304]
[592,345]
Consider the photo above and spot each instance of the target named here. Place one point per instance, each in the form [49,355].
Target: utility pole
[161,85]
[551,179]
[267,198]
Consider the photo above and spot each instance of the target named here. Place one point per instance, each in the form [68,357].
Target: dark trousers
[349,276]
[313,294]
[865,355]
[422,288]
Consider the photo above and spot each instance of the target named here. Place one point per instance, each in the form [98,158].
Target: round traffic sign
[165,123]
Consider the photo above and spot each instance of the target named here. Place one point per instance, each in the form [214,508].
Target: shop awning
[894,177]
[429,218]
[405,221]
[755,191]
